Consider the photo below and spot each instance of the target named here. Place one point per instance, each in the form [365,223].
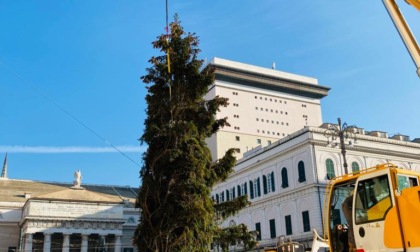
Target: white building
[286,158]
[264,105]
[286,181]
[50,216]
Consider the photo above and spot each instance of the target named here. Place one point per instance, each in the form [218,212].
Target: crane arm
[415,3]
[403,29]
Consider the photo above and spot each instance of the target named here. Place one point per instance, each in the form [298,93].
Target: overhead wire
[48,98]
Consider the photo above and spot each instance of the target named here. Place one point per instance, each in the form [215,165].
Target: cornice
[270,82]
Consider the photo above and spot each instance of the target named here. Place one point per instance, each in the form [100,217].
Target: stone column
[117,247]
[66,243]
[28,242]
[84,247]
[47,242]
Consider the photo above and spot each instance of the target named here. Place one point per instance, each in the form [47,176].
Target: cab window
[373,199]
[405,181]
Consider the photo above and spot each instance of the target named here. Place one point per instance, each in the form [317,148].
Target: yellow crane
[404,30]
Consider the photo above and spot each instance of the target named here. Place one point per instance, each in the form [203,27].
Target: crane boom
[404,30]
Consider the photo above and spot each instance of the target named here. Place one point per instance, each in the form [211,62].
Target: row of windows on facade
[272,121]
[329,164]
[269,185]
[288,225]
[306,225]
[271,110]
[270,99]
[270,132]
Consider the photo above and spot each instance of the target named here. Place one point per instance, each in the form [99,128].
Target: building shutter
[306,223]
[288,222]
[273,182]
[258,229]
[265,184]
[258,187]
[239,190]
[251,189]
[273,228]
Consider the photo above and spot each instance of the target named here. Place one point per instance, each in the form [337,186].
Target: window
[288,222]
[355,167]
[268,141]
[258,119]
[273,228]
[239,190]
[268,183]
[258,141]
[232,193]
[238,138]
[217,199]
[301,172]
[228,195]
[244,189]
[404,181]
[257,186]
[306,223]
[254,188]
[372,199]
[258,229]
[330,168]
[237,150]
[284,180]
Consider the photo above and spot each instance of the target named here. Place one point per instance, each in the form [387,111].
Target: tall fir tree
[177,212]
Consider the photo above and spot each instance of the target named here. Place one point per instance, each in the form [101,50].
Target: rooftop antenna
[273,66]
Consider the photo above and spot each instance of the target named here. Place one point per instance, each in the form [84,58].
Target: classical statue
[77,178]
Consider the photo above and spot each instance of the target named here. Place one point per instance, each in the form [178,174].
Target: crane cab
[377,209]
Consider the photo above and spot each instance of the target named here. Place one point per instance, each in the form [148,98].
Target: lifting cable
[168,61]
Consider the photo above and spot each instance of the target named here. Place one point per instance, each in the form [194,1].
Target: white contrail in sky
[69,149]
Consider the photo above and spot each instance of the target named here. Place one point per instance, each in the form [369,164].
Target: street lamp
[342,132]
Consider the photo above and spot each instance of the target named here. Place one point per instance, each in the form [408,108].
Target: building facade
[286,180]
[45,216]
[286,155]
[265,105]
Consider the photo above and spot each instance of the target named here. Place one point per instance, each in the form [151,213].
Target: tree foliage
[177,212]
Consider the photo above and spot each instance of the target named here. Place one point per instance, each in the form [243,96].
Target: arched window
[268,183]
[301,171]
[284,180]
[355,167]
[330,168]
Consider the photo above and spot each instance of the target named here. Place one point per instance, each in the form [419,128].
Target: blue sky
[87,57]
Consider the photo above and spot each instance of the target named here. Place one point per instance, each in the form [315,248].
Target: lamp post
[342,132]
